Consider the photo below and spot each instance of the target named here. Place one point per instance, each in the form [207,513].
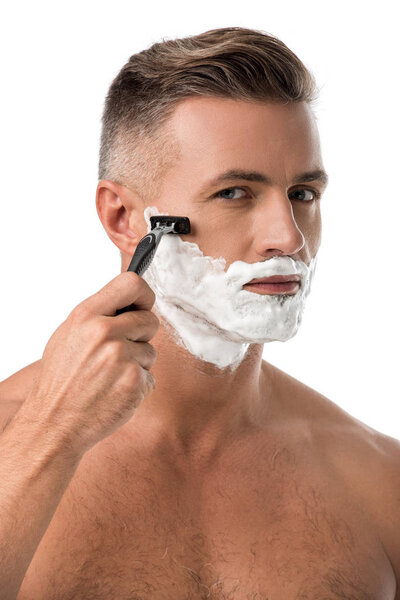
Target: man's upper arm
[14,390]
[18,385]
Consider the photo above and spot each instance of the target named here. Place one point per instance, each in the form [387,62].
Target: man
[232,479]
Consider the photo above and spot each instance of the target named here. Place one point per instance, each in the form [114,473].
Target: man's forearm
[35,470]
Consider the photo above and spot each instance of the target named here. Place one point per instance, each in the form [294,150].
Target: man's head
[184,112]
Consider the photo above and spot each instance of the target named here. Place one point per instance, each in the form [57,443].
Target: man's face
[241,229]
[238,219]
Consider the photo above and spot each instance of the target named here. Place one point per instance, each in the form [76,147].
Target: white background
[57,62]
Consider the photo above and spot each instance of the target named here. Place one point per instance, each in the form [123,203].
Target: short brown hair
[232,62]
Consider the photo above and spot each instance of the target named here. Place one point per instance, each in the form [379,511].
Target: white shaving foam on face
[208,311]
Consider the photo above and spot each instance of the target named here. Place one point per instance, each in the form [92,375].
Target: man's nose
[276,228]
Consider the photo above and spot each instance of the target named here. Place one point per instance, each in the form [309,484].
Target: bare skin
[295,514]
[243,486]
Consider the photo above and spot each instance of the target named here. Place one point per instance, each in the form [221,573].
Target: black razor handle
[142,258]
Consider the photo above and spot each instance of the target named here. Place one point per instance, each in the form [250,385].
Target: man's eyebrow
[316,175]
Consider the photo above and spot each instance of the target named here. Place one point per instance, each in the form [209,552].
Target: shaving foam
[204,307]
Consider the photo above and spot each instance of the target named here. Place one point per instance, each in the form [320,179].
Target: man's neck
[197,407]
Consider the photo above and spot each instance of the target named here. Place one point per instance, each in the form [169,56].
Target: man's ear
[121,212]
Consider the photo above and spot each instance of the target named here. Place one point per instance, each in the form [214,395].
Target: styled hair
[136,146]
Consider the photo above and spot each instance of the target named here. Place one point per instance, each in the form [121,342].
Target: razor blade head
[180,224]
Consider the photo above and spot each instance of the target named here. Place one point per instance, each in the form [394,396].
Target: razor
[148,245]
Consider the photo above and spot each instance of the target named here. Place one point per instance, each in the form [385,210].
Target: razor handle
[142,258]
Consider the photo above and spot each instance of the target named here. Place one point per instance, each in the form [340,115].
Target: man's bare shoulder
[340,434]
[366,460]
[325,417]
[13,391]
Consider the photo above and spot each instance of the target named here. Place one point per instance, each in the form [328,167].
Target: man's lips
[278,284]
[276,279]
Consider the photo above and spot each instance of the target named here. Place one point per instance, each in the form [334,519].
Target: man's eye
[299,195]
[229,196]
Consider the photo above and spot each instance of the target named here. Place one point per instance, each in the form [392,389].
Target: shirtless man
[216,483]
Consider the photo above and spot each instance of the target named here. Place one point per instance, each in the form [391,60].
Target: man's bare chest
[273,530]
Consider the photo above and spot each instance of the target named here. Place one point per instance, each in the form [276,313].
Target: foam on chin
[206,310]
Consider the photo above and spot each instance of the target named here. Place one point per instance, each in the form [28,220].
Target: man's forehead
[203,123]
[218,136]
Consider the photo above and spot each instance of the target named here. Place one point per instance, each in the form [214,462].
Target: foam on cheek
[205,308]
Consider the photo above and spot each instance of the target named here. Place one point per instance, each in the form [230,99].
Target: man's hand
[95,367]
